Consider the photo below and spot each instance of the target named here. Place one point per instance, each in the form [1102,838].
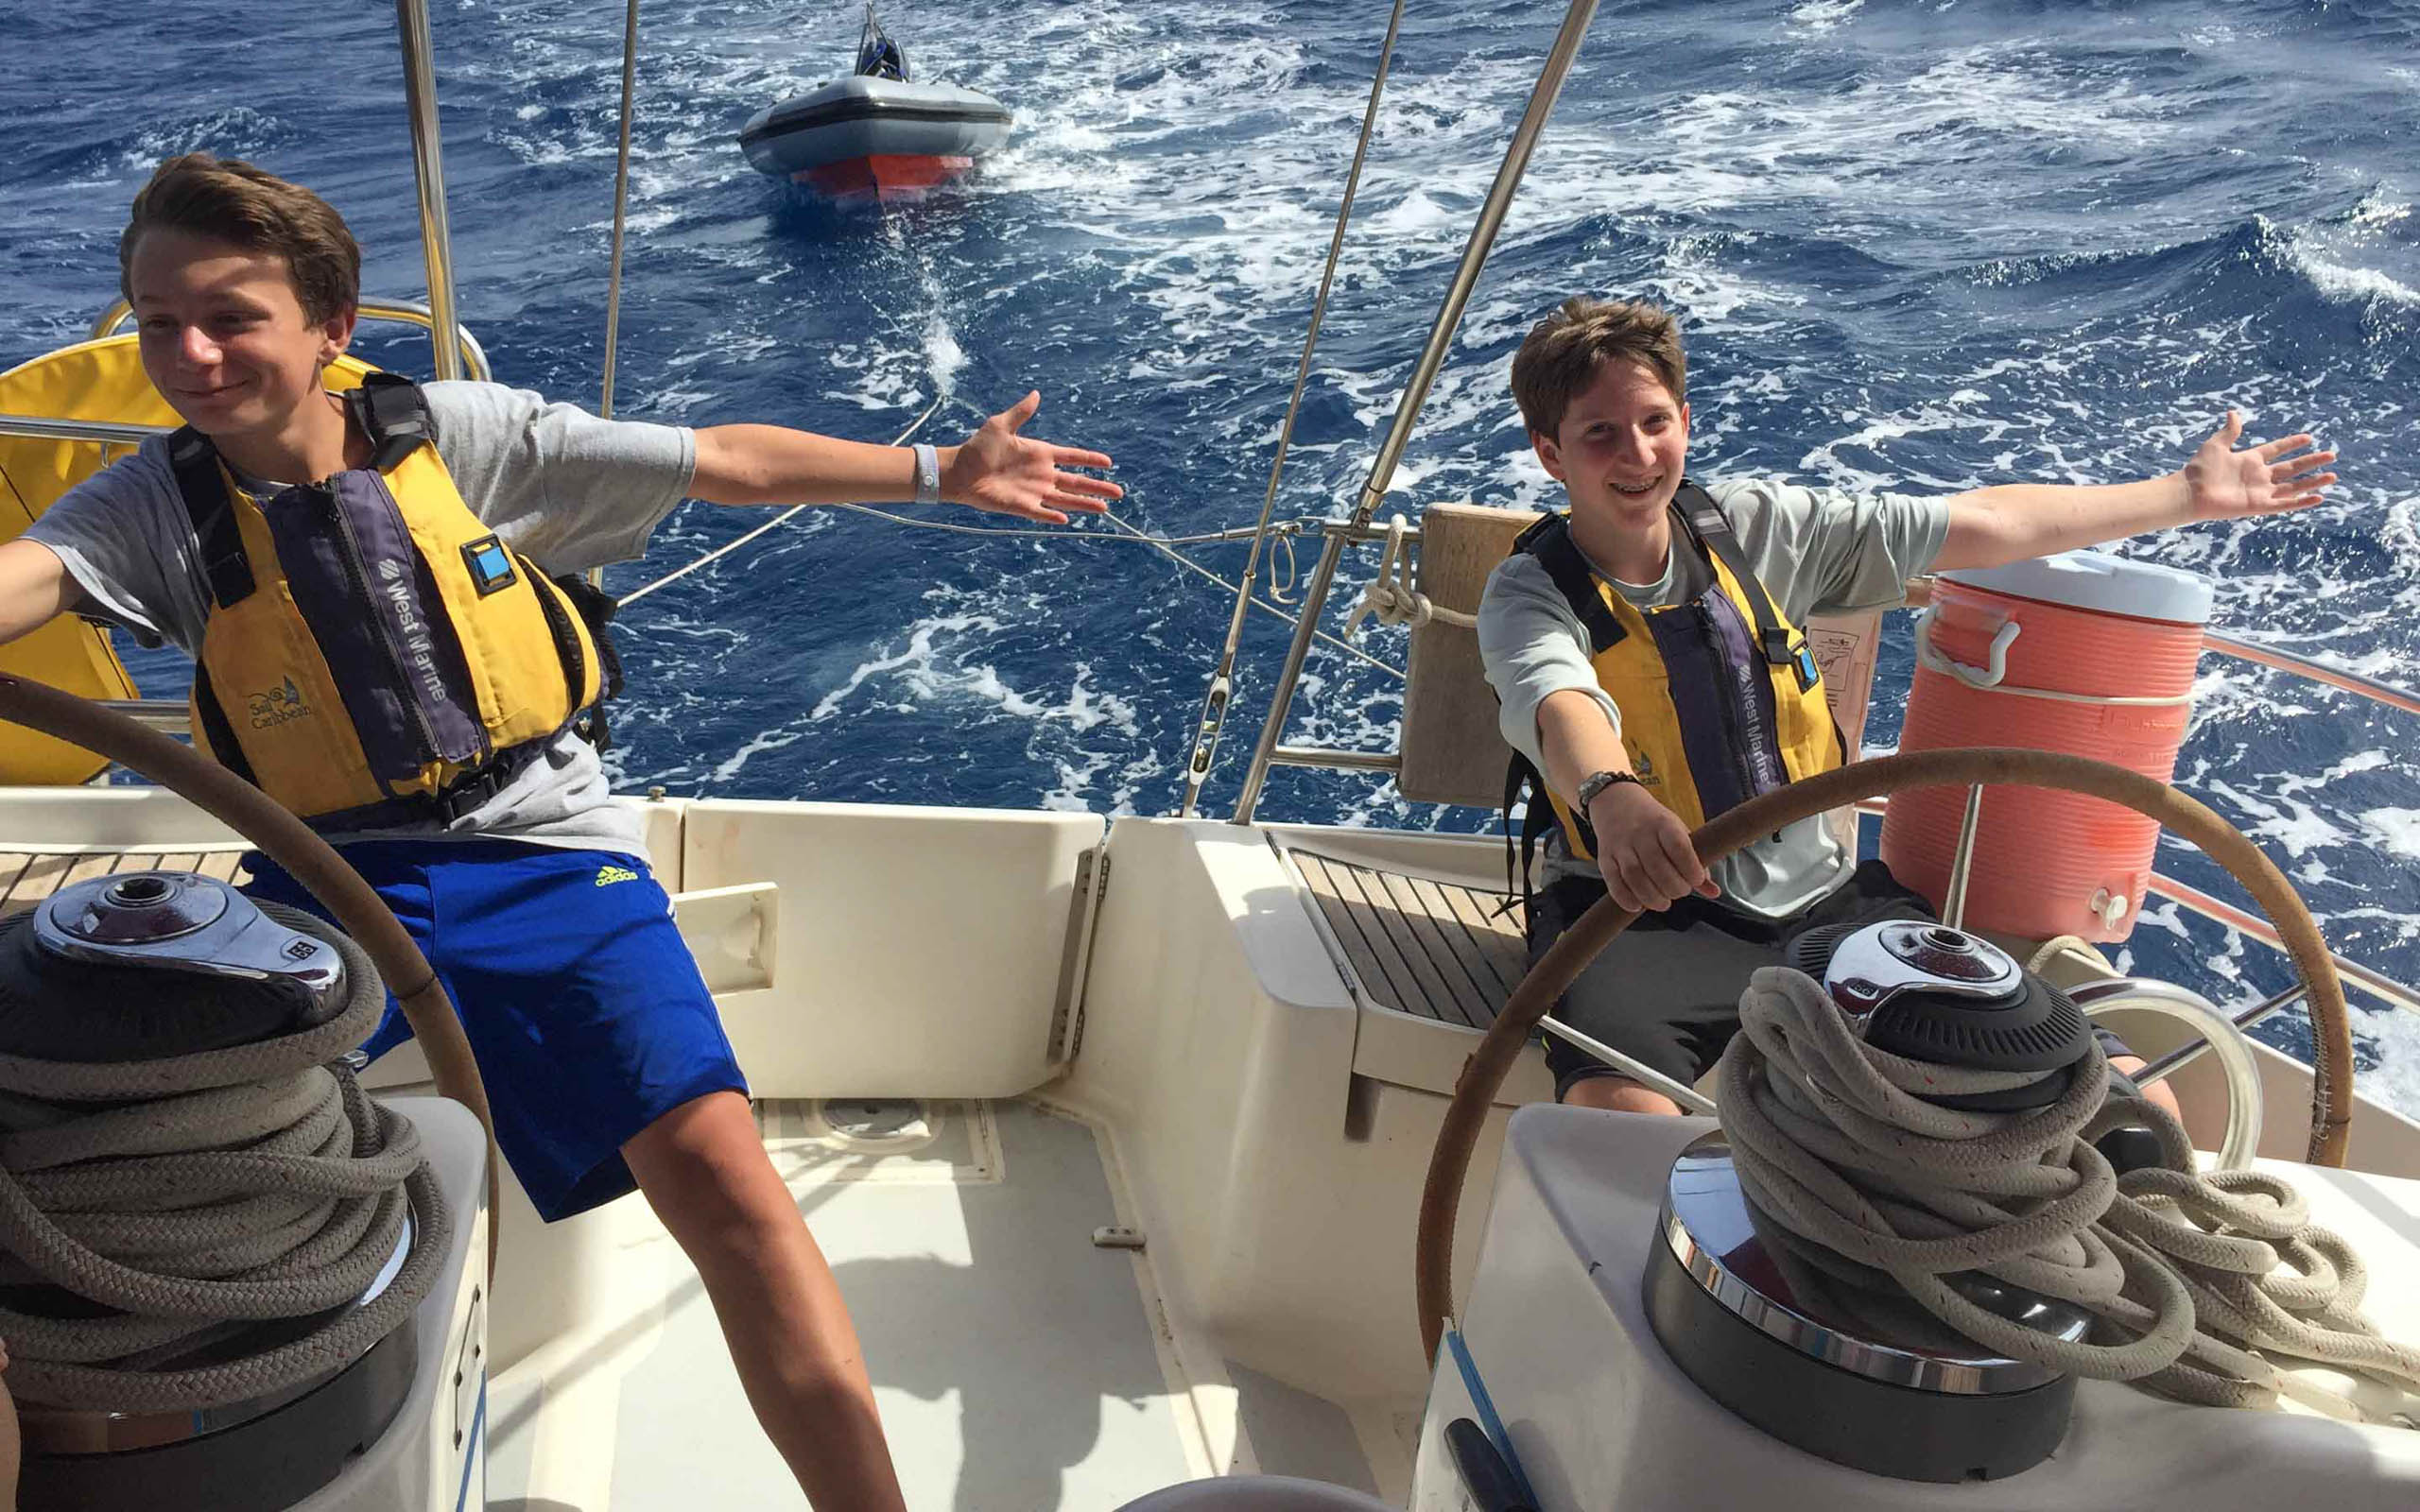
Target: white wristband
[929,475]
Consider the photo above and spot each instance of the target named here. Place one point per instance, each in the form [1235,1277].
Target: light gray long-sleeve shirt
[1818,551]
[563,488]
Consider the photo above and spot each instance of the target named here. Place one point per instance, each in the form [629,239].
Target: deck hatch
[1420,945]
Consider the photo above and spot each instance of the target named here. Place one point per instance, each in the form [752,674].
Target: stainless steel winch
[1830,1355]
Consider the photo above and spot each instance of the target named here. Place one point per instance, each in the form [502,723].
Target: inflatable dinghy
[875,134]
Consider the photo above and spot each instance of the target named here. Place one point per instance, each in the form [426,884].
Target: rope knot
[1391,597]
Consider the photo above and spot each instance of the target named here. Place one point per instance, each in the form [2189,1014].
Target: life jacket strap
[1708,524]
[394,414]
[439,808]
[215,729]
[1538,819]
[203,488]
[1550,542]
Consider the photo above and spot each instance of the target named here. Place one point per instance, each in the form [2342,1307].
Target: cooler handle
[1992,678]
[1973,677]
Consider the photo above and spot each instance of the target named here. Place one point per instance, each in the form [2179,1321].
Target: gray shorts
[1666,992]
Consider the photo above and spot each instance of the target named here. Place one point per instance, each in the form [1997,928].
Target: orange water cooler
[2083,653]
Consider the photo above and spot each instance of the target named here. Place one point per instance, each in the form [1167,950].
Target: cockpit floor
[1015,1361]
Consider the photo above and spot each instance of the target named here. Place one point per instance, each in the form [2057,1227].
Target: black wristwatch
[1597,782]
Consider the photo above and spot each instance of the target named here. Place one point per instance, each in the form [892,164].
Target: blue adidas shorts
[581,1000]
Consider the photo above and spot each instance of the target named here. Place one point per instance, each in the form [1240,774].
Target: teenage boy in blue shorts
[364,586]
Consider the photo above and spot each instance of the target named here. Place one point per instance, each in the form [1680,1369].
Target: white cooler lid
[2096,580]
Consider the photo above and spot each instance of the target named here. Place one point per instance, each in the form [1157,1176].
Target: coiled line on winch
[1840,1143]
[251,1183]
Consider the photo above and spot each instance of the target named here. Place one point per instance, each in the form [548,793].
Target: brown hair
[1561,355]
[229,201]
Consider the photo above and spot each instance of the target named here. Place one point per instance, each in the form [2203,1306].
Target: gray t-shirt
[563,488]
[1818,551]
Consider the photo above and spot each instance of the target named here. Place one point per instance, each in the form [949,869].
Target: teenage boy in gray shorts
[1648,653]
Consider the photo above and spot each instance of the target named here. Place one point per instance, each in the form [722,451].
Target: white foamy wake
[1174,177]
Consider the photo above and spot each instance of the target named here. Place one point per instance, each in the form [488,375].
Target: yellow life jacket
[99,379]
[374,655]
[1721,696]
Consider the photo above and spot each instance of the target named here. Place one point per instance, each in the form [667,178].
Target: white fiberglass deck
[1017,1365]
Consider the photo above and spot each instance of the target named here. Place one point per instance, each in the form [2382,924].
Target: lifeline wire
[677,573]
[1223,676]
[1165,545]
[1192,566]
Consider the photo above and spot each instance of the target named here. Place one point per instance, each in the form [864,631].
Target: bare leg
[2158,1091]
[705,1173]
[1619,1094]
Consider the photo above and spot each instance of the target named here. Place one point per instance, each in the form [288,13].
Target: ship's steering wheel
[287,841]
[2332,1113]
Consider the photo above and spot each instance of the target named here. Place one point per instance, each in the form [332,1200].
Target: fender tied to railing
[1484,1073]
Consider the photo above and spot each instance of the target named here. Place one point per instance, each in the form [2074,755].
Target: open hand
[1643,851]
[2222,483]
[1000,472]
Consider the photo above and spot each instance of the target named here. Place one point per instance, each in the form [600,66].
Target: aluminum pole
[1222,678]
[428,166]
[1423,373]
[621,214]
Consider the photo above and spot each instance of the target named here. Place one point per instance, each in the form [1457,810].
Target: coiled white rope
[250,1183]
[1391,597]
[1836,1142]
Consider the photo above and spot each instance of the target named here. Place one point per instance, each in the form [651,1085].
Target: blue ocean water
[1922,245]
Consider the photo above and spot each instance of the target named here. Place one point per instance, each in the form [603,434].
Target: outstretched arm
[996,470]
[1990,527]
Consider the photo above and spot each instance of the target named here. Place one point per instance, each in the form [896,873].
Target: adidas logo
[607,875]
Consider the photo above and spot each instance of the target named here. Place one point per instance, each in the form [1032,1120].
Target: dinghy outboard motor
[214,1244]
[1827,1354]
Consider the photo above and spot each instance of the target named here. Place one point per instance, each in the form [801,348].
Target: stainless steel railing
[473,357]
[429,173]
[2251,925]
[44,427]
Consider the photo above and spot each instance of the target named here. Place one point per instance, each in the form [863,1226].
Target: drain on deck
[877,1123]
[909,1139]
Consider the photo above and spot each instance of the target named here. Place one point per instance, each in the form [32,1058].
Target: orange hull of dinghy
[881,176]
